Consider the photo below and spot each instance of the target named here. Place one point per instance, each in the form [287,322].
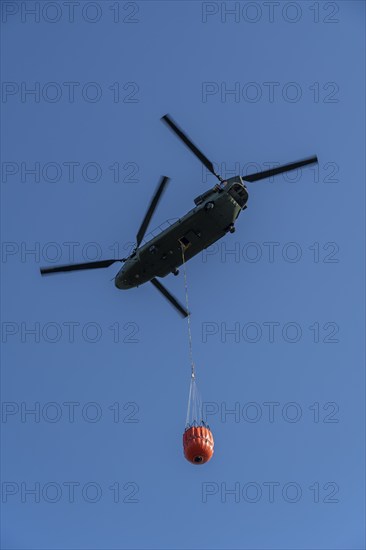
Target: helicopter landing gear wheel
[232,228]
[209,205]
[175,272]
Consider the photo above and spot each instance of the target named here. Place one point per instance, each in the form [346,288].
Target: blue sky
[107,371]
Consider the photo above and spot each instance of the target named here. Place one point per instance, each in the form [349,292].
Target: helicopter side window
[239,194]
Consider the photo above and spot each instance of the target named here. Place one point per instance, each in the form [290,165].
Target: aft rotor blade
[168,120]
[169,297]
[280,169]
[154,202]
[78,267]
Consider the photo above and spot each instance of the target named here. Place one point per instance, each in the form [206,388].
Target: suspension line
[193,373]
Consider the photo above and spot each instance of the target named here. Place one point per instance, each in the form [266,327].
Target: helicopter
[213,216]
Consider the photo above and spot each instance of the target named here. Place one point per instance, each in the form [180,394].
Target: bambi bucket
[198,444]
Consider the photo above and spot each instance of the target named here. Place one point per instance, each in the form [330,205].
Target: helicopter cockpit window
[239,194]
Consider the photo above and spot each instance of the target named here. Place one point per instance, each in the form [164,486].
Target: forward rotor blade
[154,202]
[205,161]
[280,169]
[169,297]
[78,267]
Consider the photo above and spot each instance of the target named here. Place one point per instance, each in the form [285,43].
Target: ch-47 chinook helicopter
[214,215]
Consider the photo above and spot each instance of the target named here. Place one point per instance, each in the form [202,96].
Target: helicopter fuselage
[214,216]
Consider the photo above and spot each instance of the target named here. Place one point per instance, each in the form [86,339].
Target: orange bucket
[198,444]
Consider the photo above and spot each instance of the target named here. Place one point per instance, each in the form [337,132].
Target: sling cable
[198,441]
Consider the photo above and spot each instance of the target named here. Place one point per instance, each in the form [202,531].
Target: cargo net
[194,410]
